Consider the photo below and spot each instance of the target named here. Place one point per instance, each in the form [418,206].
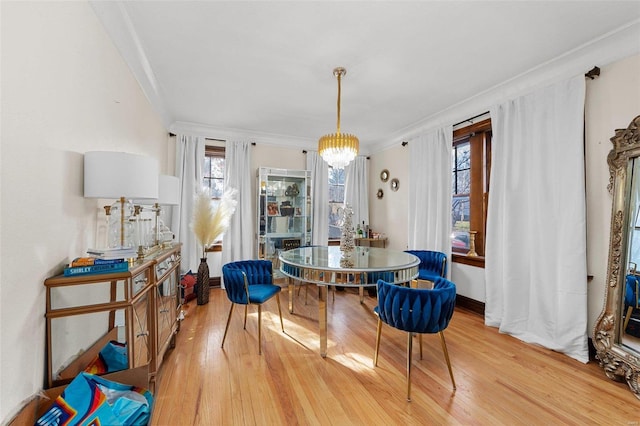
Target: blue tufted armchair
[416,310]
[250,282]
[432,264]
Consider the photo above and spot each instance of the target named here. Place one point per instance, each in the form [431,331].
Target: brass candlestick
[472,244]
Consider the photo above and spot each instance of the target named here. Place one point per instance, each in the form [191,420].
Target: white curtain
[189,161]
[320,198]
[356,189]
[238,242]
[536,274]
[430,191]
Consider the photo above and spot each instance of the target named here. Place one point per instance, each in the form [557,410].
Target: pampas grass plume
[208,225]
[202,216]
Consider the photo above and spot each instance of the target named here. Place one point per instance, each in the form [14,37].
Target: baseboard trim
[214,282]
[470,304]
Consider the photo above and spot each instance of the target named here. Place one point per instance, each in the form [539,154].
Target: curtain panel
[320,198]
[356,189]
[238,242]
[429,212]
[189,161]
[535,270]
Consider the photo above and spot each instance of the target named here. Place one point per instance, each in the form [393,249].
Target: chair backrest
[433,261]
[238,275]
[631,291]
[417,310]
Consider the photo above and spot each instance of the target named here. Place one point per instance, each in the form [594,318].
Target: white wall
[389,215]
[65,91]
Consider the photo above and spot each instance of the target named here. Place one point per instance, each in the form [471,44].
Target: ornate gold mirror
[616,334]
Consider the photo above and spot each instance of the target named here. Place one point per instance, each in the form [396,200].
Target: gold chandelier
[338,149]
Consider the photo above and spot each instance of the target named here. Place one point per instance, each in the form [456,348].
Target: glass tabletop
[362,259]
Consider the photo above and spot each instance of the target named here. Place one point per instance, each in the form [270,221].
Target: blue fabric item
[433,264]
[258,277]
[93,400]
[417,310]
[630,296]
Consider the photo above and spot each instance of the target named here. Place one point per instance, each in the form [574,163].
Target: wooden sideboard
[139,308]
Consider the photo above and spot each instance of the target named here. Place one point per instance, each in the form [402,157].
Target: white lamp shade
[168,190]
[119,174]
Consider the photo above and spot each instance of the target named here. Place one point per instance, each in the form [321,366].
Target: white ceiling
[265,68]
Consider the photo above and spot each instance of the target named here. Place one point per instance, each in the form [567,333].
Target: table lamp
[122,176]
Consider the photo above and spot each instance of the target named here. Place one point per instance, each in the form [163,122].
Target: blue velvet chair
[250,282]
[631,295]
[416,310]
[433,264]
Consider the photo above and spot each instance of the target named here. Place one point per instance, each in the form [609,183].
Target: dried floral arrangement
[209,224]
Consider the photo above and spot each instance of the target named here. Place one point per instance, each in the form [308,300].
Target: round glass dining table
[362,267]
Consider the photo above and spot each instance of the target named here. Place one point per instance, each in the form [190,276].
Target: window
[336,201]
[213,173]
[470,183]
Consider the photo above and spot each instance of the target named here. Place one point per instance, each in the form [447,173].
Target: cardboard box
[35,408]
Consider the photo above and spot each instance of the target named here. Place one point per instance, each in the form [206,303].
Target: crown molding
[117,24]
[228,134]
[604,50]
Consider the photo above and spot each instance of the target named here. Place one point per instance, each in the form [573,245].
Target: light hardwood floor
[500,380]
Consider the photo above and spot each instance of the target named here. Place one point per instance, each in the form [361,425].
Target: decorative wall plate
[384,175]
[380,193]
[395,183]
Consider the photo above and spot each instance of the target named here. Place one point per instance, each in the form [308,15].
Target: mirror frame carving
[619,363]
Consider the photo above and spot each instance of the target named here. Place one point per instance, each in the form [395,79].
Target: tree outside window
[213,172]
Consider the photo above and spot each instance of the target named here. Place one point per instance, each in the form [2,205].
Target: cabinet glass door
[284,211]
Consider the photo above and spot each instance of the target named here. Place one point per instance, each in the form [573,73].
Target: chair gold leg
[227,326]
[409,351]
[259,329]
[280,312]
[245,317]
[626,320]
[446,356]
[420,339]
[378,332]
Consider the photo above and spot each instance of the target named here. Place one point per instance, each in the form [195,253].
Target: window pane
[336,201]
[217,188]
[460,222]
[217,167]
[463,156]
[207,167]
[462,182]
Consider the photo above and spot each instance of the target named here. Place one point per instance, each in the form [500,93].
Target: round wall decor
[380,193]
[395,183]
[384,175]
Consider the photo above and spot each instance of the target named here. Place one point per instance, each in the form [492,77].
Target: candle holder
[472,244]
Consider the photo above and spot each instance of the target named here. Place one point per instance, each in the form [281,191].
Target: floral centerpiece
[208,225]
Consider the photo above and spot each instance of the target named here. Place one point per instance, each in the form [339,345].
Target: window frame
[479,136]
[330,202]
[215,152]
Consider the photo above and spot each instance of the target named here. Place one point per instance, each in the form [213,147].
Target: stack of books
[113,253]
[101,261]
